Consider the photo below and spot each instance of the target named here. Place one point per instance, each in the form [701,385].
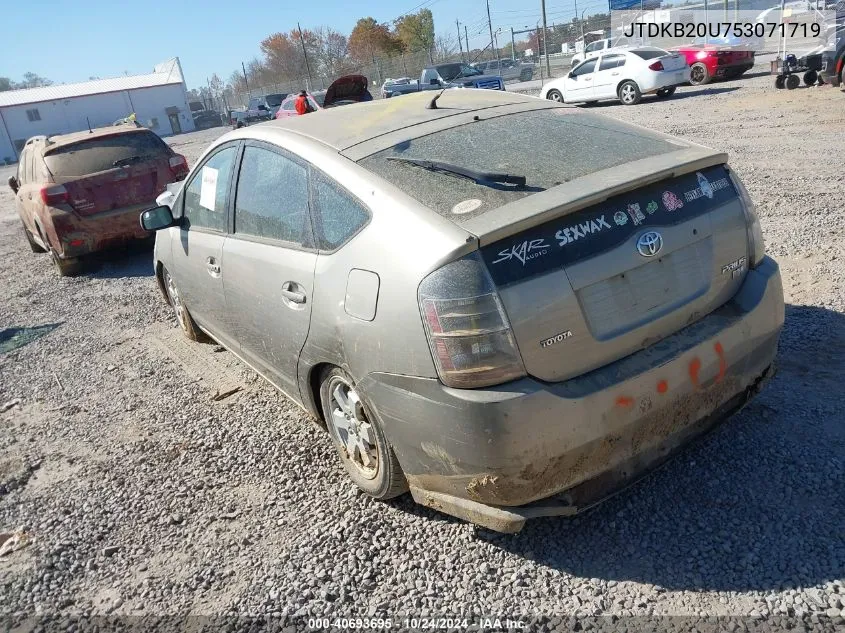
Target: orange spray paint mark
[723,364]
[624,401]
[662,386]
[694,368]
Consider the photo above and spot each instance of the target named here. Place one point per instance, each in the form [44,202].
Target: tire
[66,267]
[35,246]
[554,95]
[360,442]
[699,75]
[665,93]
[792,82]
[629,93]
[183,317]
[780,81]
[810,77]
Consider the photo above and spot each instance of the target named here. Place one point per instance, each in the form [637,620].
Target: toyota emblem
[650,244]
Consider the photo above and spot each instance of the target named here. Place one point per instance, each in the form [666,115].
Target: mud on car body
[83,192]
[506,335]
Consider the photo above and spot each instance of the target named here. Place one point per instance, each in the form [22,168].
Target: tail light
[179,166]
[57,194]
[756,245]
[656,66]
[468,331]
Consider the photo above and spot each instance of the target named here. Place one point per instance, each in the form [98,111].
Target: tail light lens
[656,66]
[57,194]
[470,337]
[179,166]
[756,245]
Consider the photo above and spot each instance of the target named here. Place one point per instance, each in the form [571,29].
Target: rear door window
[207,194]
[272,197]
[103,153]
[609,62]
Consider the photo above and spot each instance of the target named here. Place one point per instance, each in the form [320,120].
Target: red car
[708,61]
[343,91]
[83,192]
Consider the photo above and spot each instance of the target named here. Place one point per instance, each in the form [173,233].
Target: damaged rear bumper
[76,235]
[500,455]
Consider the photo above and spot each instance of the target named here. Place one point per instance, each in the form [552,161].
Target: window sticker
[208,192]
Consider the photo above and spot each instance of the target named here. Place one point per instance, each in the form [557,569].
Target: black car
[205,119]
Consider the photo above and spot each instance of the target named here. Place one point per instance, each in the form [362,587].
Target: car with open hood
[342,91]
[508,334]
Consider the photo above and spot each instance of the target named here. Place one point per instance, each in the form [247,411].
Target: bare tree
[445,47]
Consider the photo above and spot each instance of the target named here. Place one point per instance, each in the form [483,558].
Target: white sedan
[626,75]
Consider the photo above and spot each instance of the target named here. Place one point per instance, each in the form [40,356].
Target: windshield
[452,71]
[549,147]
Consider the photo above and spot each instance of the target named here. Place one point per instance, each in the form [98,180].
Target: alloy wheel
[352,428]
[628,93]
[175,300]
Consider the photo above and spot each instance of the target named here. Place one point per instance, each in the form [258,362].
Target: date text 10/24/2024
[417,624]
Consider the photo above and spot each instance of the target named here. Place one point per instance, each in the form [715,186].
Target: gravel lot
[143,496]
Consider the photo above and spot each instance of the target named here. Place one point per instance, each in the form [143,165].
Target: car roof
[98,132]
[400,117]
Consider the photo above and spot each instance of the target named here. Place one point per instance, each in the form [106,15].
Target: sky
[69,41]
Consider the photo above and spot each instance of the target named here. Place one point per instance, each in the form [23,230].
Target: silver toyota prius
[510,307]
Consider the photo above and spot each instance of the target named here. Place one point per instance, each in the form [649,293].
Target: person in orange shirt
[302,105]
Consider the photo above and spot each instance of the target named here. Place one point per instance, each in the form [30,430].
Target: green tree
[369,38]
[416,32]
[6,84]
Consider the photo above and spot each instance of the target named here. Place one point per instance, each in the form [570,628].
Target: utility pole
[490,24]
[305,54]
[466,39]
[460,46]
[545,41]
[246,81]
[513,47]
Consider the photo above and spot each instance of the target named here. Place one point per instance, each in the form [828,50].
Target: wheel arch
[159,272]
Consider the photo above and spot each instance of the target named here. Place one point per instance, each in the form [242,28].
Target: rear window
[100,154]
[274,100]
[649,53]
[548,147]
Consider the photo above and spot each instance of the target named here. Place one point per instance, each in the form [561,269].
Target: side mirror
[13,184]
[434,82]
[572,75]
[157,218]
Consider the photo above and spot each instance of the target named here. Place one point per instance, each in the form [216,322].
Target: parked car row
[506,336]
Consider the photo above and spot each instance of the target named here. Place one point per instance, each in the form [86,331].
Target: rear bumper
[76,235]
[477,453]
[666,80]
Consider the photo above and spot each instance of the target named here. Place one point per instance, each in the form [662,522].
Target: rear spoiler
[588,190]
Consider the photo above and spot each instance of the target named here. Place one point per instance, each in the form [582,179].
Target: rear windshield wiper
[122,162]
[480,178]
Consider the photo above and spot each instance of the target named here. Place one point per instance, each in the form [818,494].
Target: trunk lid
[118,188]
[111,171]
[673,62]
[602,281]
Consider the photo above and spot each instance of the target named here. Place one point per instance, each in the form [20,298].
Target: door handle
[614,74]
[292,295]
[212,266]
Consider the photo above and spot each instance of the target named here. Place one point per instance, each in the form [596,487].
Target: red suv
[84,192]
[707,61]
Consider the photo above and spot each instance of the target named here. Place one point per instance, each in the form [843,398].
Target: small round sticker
[467,206]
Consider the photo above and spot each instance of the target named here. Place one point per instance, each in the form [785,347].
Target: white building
[158,99]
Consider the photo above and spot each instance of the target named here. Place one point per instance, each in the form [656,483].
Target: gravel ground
[143,496]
